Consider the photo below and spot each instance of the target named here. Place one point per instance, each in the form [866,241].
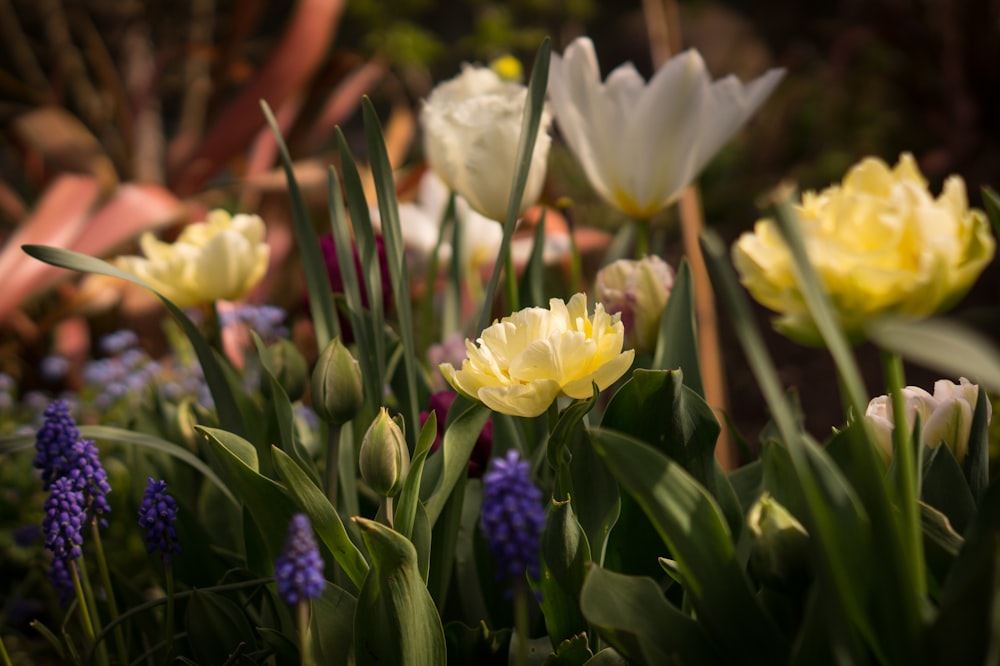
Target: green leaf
[632,615]
[530,122]
[283,415]
[112,434]
[565,555]
[976,465]
[607,657]
[323,516]
[991,202]
[385,189]
[574,651]
[944,487]
[331,627]
[677,343]
[692,526]
[532,281]
[216,627]
[598,503]
[968,623]
[940,344]
[264,499]
[409,497]
[456,448]
[324,314]
[479,645]
[557,449]
[396,621]
[225,403]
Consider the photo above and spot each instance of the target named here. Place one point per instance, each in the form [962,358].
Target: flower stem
[168,575]
[388,511]
[641,238]
[512,299]
[332,462]
[521,622]
[102,568]
[305,648]
[907,465]
[85,603]
[3,653]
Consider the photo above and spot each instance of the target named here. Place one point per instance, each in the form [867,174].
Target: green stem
[332,462]
[109,591]
[213,327]
[305,648]
[84,604]
[168,575]
[907,482]
[521,622]
[641,238]
[511,282]
[387,505]
[3,653]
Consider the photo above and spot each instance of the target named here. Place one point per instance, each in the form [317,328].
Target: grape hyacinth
[60,453]
[512,517]
[65,515]
[158,515]
[299,569]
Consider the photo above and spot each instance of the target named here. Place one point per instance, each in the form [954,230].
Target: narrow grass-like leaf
[229,413]
[364,236]
[323,516]
[991,202]
[694,529]
[530,123]
[532,282]
[385,189]
[677,342]
[324,314]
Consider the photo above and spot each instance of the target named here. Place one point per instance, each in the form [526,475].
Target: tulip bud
[337,392]
[384,458]
[639,290]
[288,366]
[778,556]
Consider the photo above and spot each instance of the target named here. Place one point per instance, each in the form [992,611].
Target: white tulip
[471,126]
[641,144]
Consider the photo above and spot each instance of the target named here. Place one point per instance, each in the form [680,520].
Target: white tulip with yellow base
[522,363]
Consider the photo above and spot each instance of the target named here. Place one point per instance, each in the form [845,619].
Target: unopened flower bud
[337,392]
[288,366]
[639,290]
[384,458]
[779,556]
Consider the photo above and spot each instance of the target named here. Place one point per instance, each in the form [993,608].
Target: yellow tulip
[522,363]
[221,258]
[881,244]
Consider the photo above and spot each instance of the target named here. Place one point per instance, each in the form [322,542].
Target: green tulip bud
[779,555]
[337,392]
[288,366]
[384,458]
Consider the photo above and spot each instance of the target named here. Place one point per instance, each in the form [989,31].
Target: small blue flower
[60,453]
[115,343]
[62,527]
[158,515]
[299,569]
[512,517]
[54,368]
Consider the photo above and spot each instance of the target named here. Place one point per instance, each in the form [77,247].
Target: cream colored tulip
[945,416]
[522,363]
[641,144]
[881,244]
[221,258]
[638,289]
[471,126]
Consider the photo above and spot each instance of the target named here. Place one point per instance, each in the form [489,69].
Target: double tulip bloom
[221,258]
[641,144]
[471,127]
[638,289]
[521,364]
[945,416]
[881,244]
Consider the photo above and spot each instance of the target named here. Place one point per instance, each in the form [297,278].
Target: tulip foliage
[876,545]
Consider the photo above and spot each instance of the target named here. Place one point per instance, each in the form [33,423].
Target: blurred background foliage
[162,97]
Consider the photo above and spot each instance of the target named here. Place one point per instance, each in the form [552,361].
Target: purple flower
[158,515]
[62,527]
[60,453]
[299,569]
[512,517]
